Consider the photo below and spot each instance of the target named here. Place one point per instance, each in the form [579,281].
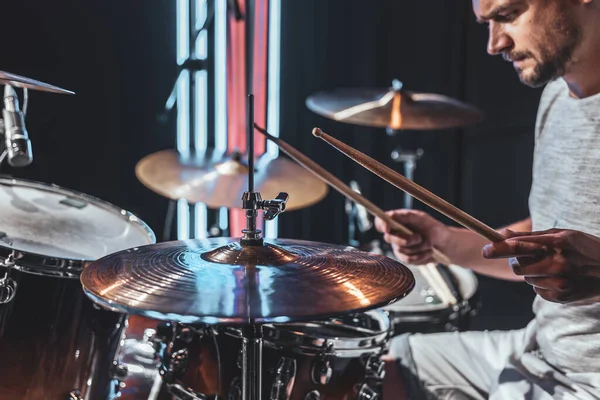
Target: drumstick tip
[317,132]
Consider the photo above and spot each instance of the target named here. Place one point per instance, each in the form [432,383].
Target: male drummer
[556,250]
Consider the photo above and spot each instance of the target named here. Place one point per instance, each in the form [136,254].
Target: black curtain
[119,58]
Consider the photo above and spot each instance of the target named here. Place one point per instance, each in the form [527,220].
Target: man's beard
[555,53]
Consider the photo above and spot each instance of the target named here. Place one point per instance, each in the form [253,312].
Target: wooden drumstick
[344,189]
[412,188]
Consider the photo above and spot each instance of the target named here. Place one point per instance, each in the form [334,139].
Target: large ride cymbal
[22,82]
[394,108]
[218,281]
[221,182]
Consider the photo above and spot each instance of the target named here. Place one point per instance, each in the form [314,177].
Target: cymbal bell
[221,181]
[219,281]
[23,82]
[394,108]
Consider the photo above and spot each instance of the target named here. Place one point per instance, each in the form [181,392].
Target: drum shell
[347,352]
[347,375]
[347,378]
[54,341]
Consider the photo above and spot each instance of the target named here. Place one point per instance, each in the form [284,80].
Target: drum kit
[232,317]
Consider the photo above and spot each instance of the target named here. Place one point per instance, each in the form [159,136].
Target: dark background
[119,57]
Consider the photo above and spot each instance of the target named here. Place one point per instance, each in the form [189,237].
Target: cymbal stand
[360,224]
[357,221]
[357,225]
[409,158]
[252,333]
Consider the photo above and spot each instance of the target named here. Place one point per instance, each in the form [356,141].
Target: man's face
[538,36]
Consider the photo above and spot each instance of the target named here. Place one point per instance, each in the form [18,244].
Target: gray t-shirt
[566,194]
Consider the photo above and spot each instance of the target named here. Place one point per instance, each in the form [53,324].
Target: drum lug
[321,372]
[313,395]
[185,334]
[74,395]
[119,371]
[149,335]
[285,375]
[8,286]
[367,393]
[375,367]
[8,289]
[161,339]
[178,362]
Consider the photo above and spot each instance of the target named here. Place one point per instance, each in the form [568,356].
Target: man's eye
[508,17]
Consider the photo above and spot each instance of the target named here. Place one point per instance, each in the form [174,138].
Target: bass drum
[55,342]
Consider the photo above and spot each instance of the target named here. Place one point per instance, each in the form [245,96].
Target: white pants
[484,365]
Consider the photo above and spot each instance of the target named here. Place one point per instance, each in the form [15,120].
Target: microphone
[16,138]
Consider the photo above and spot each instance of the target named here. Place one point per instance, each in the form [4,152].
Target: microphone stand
[3,151]
[16,140]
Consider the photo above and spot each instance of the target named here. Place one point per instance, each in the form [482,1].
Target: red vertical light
[237,94]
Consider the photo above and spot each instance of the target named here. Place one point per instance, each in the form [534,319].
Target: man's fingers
[552,238]
[381,225]
[513,248]
[552,265]
[412,219]
[509,233]
[394,240]
[411,250]
[416,259]
[525,261]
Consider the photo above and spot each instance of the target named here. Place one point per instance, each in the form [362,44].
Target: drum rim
[305,343]
[41,264]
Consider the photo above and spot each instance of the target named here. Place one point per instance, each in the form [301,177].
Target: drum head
[423,299]
[50,221]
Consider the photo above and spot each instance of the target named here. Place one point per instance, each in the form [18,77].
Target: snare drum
[423,311]
[339,358]
[55,343]
[336,359]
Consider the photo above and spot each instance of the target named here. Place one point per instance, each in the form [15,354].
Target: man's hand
[417,248]
[563,266]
